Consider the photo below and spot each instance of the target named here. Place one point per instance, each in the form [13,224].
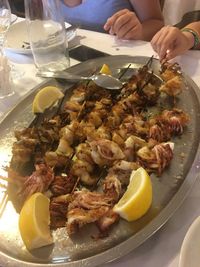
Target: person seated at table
[170,41]
[127,19]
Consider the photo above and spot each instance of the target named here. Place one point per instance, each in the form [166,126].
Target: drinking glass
[5,77]
[5,21]
[47,34]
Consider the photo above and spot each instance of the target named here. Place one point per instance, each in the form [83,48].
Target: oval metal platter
[169,190]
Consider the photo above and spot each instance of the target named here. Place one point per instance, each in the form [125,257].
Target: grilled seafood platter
[83,155]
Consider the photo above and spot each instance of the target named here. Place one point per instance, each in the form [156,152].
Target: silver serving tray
[169,190]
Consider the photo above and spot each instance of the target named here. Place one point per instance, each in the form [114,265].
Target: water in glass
[5,20]
[47,35]
[5,77]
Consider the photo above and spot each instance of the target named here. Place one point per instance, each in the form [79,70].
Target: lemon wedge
[34,222]
[138,197]
[105,69]
[45,98]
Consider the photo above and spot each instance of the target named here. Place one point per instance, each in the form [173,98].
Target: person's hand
[125,25]
[170,42]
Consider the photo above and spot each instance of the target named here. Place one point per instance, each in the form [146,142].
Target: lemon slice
[138,197]
[34,222]
[105,69]
[45,98]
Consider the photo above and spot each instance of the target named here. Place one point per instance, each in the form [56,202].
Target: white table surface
[162,249]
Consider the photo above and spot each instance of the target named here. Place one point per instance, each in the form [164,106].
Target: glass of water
[47,34]
[5,77]
[5,20]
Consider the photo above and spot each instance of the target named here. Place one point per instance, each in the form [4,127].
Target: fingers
[124,24]
[134,33]
[165,40]
[110,21]
[172,53]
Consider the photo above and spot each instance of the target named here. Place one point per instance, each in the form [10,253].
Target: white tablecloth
[162,250]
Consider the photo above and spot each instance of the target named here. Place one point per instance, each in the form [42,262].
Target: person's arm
[141,24]
[194,30]
[170,41]
[72,3]
[150,15]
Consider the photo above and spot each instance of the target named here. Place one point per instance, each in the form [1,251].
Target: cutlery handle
[70,76]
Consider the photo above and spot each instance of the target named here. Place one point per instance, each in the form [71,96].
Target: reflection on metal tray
[169,190]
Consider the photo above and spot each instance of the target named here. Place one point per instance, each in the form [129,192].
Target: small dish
[189,254]
[17,39]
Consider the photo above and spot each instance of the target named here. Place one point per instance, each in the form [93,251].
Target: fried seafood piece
[85,131]
[103,132]
[61,156]
[64,148]
[156,159]
[22,152]
[68,132]
[48,132]
[160,133]
[170,70]
[132,144]
[112,186]
[86,207]
[90,200]
[83,152]
[121,170]
[99,112]
[132,125]
[104,152]
[96,117]
[83,166]
[58,210]
[56,160]
[24,148]
[74,105]
[72,108]
[62,184]
[177,120]
[79,94]
[78,217]
[135,124]
[38,181]
[173,79]
[121,109]
[167,124]
[173,87]
[118,112]
[106,221]
[32,143]
[149,94]
[92,109]
[142,88]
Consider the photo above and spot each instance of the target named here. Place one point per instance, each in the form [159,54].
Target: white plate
[17,39]
[13,18]
[190,250]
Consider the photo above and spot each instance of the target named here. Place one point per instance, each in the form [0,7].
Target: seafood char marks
[98,129]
